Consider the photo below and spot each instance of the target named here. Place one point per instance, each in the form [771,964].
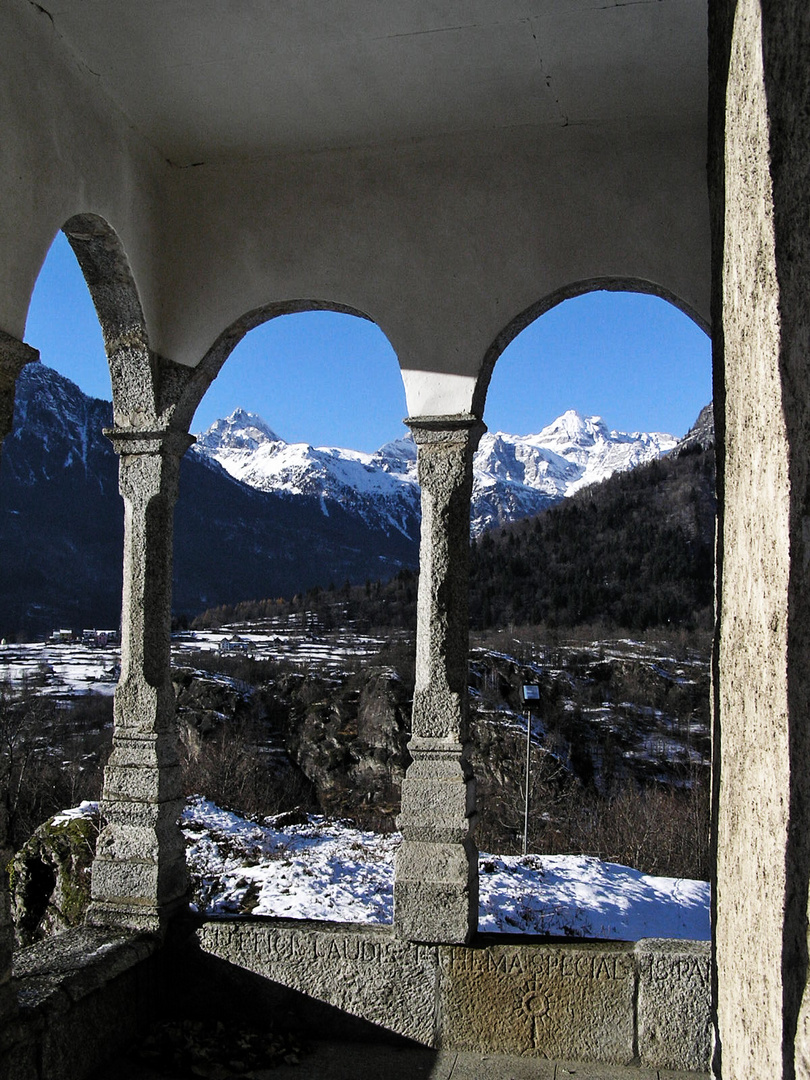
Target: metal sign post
[530,692]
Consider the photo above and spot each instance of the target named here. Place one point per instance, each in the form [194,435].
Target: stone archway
[203,375]
[567,292]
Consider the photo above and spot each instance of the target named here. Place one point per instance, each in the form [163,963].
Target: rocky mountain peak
[242,430]
[701,434]
[573,429]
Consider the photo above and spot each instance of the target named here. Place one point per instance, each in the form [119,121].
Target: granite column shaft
[436,886]
[139,873]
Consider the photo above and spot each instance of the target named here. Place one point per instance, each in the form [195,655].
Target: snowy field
[329,870]
[60,670]
[74,669]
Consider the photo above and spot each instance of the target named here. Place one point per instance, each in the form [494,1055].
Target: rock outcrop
[50,875]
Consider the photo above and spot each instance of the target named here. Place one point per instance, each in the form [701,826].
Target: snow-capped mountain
[514,476]
[256,516]
[61,523]
[379,488]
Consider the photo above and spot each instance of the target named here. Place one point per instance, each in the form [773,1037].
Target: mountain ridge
[514,476]
[329,516]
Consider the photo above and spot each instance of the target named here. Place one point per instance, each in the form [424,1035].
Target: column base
[135,916]
[436,892]
[139,876]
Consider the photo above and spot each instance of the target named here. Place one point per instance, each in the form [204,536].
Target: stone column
[14,355]
[139,873]
[760,172]
[436,885]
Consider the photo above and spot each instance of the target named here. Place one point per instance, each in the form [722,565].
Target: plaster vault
[449,171]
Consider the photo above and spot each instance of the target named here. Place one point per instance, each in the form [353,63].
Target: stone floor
[359,1061]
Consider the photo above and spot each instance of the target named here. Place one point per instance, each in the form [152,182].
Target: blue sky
[333,380]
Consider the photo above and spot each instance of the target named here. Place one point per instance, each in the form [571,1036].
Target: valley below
[590,580]
[285,715]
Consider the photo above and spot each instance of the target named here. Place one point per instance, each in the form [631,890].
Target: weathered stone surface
[139,874]
[50,878]
[83,994]
[550,1001]
[436,892]
[365,972]
[674,1004]
[576,1070]
[760,157]
[568,1001]
[441,796]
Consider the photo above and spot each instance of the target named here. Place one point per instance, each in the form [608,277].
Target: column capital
[136,441]
[458,427]
[14,355]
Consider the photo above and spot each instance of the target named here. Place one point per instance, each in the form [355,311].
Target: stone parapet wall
[82,995]
[646,1004]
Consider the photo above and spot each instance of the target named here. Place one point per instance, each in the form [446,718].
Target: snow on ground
[287,641]
[64,670]
[578,896]
[319,870]
[68,670]
[329,870]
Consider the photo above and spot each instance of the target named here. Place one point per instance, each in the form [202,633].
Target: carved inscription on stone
[567,1001]
[547,1001]
[365,972]
[674,1004]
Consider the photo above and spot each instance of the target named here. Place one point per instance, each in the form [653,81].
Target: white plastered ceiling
[438,165]
[207,80]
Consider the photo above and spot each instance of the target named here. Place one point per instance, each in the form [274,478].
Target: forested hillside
[634,552]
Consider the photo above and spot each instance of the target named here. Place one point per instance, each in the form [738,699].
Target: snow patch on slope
[327,869]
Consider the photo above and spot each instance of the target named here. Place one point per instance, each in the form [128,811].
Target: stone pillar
[14,355]
[760,170]
[436,884]
[139,873]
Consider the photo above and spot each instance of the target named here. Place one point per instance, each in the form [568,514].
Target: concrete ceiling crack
[562,115]
[41,9]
